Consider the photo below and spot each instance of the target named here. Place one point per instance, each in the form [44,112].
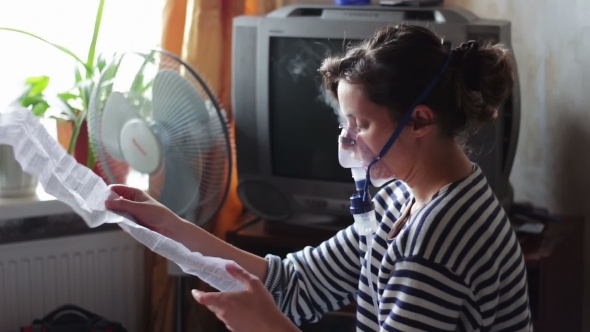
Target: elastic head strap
[407,117]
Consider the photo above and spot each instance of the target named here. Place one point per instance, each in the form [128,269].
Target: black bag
[71,318]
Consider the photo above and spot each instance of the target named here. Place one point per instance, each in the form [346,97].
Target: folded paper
[85,192]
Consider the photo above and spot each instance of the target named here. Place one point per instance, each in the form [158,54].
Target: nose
[346,140]
[346,143]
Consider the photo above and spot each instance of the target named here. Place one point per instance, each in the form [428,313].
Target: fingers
[239,273]
[202,297]
[122,205]
[196,294]
[216,302]
[126,192]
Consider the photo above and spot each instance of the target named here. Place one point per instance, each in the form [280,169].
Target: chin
[381,171]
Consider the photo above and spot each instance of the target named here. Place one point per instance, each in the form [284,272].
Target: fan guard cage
[191,126]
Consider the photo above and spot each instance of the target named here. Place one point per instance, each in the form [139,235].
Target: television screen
[303,117]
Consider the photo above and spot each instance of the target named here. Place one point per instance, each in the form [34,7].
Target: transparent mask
[354,153]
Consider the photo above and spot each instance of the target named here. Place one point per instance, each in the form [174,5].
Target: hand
[252,309]
[147,211]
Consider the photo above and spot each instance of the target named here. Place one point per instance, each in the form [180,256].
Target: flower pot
[14,182]
[65,129]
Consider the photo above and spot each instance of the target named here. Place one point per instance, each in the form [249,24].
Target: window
[126,25]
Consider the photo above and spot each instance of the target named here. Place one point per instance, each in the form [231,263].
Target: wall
[553,159]
[551,41]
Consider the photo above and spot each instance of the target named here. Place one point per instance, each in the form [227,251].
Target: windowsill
[43,204]
[40,204]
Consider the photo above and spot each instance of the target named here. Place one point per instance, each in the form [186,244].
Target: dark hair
[396,65]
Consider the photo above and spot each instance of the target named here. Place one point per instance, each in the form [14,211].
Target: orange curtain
[200,32]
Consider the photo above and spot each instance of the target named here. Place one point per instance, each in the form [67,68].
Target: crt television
[286,126]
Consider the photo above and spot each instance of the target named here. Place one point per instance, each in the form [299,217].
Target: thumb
[122,205]
[239,273]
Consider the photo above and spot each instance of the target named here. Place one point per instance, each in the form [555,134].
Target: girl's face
[374,127]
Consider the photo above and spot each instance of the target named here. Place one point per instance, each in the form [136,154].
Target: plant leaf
[101,62]
[84,88]
[37,79]
[137,84]
[91,160]
[77,74]
[66,107]
[64,96]
[38,84]
[66,112]
[40,108]
[75,104]
[92,48]
[146,86]
[31,100]
[109,74]
[59,47]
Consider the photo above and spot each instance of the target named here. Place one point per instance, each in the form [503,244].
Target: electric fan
[153,123]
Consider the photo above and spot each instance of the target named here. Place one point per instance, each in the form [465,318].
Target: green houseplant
[75,101]
[14,181]
[33,96]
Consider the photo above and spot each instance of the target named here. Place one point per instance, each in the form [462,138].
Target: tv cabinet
[554,261]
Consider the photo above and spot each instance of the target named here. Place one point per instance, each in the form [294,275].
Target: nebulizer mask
[366,166]
[353,153]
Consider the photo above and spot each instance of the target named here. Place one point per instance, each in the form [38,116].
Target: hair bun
[466,58]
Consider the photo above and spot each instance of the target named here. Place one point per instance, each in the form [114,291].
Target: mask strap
[406,119]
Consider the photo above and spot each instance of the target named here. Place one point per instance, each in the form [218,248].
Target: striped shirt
[455,265]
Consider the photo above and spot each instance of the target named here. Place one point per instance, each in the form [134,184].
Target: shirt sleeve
[313,281]
[423,296]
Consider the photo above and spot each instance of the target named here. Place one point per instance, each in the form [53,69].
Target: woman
[444,257]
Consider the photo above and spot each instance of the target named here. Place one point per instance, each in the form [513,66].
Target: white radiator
[101,272]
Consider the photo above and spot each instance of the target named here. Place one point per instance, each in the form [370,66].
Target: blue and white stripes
[455,265]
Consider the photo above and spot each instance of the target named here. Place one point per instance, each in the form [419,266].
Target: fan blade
[180,113]
[181,189]
[117,111]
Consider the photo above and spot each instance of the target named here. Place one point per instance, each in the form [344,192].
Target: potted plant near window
[71,122]
[13,180]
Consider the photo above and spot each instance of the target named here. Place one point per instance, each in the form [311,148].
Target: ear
[422,120]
